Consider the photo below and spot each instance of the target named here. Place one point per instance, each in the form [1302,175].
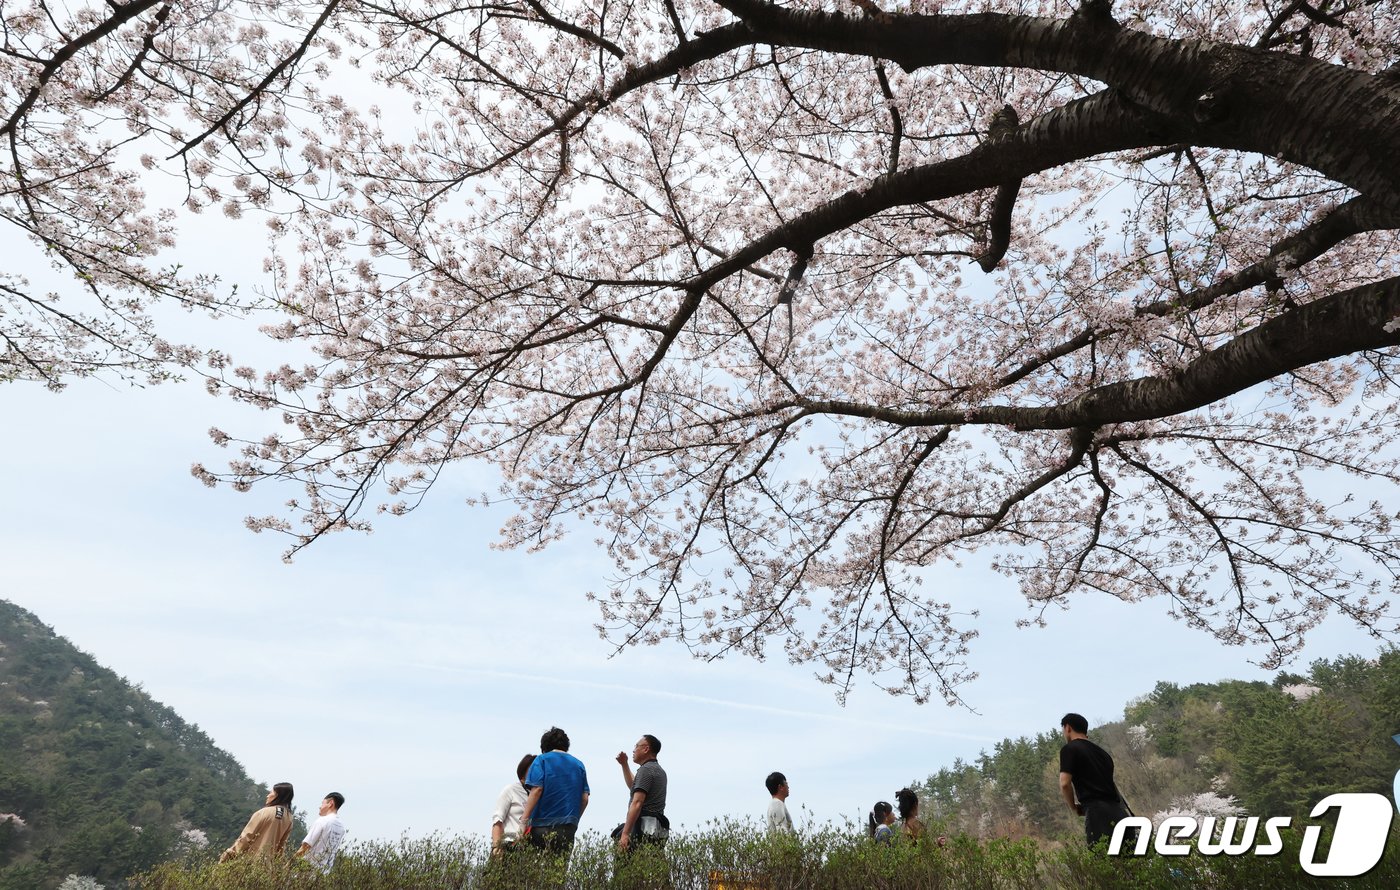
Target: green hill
[1232,747]
[96,778]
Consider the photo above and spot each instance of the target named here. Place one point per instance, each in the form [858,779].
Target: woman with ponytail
[879,822]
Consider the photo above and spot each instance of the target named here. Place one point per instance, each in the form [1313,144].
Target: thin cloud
[698,699]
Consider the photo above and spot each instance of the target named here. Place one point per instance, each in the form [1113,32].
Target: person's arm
[499,816]
[582,805]
[626,769]
[313,836]
[530,802]
[250,833]
[1067,792]
[284,836]
[634,810]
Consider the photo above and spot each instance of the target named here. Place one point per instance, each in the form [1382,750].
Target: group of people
[880,823]
[543,806]
[267,831]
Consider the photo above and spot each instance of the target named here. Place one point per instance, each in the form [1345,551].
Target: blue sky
[411,668]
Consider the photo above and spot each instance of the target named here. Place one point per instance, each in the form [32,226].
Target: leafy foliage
[1273,749]
[738,856]
[104,780]
[794,299]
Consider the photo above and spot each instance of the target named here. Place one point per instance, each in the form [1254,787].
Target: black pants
[558,839]
[1099,818]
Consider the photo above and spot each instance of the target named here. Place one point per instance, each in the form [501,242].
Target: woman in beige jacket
[267,832]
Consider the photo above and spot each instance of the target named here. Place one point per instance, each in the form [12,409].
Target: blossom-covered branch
[798,301]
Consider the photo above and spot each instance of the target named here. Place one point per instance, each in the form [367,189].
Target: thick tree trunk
[1340,122]
[1337,325]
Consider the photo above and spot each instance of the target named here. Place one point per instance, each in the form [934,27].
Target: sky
[411,668]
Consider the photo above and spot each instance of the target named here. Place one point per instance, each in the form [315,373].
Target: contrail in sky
[701,699]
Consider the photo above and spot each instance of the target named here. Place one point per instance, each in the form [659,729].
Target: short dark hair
[555,739]
[653,743]
[524,768]
[1075,722]
[774,782]
[281,795]
[338,798]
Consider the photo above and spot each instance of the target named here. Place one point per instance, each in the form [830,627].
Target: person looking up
[558,794]
[646,820]
[267,831]
[327,833]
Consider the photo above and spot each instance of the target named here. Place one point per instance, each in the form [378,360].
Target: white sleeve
[318,828]
[502,812]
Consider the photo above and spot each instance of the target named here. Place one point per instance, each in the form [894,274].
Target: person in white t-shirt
[779,821]
[326,835]
[510,805]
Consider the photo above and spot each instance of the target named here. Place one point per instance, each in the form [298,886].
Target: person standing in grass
[911,827]
[880,822]
[510,806]
[267,831]
[778,819]
[327,833]
[558,794]
[1086,780]
[646,821]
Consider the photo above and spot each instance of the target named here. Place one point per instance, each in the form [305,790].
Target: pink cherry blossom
[793,301]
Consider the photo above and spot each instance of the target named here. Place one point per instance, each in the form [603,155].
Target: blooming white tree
[793,299]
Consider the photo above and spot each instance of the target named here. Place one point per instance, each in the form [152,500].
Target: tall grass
[736,856]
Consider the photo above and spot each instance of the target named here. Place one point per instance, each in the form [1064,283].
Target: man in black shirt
[1086,780]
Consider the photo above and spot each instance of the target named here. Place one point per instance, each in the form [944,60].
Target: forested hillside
[1232,747]
[96,778]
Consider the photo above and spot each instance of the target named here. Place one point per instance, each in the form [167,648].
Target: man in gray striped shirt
[646,806]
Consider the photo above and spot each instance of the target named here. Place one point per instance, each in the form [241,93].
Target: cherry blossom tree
[793,300]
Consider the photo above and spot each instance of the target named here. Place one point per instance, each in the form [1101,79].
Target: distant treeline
[1264,749]
[99,780]
[96,778]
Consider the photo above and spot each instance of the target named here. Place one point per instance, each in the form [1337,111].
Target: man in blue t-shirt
[558,787]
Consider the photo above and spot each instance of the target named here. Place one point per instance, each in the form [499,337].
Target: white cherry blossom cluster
[795,303]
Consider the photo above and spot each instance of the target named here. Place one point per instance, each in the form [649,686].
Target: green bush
[737,856]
